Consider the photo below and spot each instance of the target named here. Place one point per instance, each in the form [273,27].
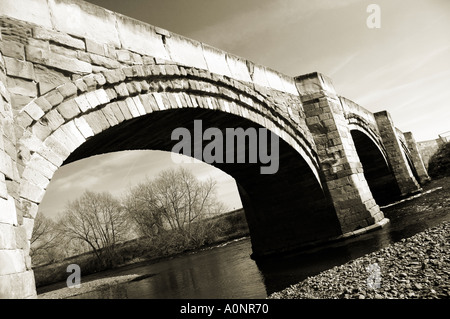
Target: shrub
[439,164]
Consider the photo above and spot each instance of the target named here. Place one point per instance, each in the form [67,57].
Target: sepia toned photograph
[224,154]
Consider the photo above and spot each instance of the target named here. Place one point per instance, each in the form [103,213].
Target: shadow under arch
[284,210]
[377,170]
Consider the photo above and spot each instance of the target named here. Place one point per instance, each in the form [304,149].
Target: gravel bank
[416,267]
[103,288]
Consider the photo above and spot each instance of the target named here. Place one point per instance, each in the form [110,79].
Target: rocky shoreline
[414,268]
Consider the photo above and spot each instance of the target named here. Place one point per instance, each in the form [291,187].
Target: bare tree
[175,201]
[45,241]
[98,220]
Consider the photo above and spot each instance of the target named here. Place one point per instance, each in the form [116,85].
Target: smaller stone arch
[377,170]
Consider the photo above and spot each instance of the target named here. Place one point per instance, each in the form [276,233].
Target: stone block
[238,68]
[121,90]
[104,61]
[259,76]
[19,101]
[42,165]
[140,37]
[100,79]
[13,49]
[7,237]
[21,87]
[40,130]
[84,20]
[97,121]
[147,101]
[21,238]
[114,76]
[114,107]
[31,142]
[73,134]
[68,89]
[109,115]
[81,85]
[18,68]
[8,213]
[159,101]
[28,224]
[132,107]
[69,109]
[216,60]
[31,192]
[35,177]
[23,283]
[48,79]
[54,97]
[53,119]
[123,56]
[124,109]
[94,47]
[186,52]
[83,103]
[83,127]
[139,105]
[11,261]
[57,61]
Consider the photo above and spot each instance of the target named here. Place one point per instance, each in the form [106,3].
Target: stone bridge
[78,80]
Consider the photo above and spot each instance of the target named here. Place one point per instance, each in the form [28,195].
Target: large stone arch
[119,105]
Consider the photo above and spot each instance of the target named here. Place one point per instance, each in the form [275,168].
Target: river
[226,271]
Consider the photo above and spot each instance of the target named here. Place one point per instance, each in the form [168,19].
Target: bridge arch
[285,209]
[377,170]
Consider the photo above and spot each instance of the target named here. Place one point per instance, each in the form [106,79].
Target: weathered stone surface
[22,87]
[48,79]
[57,61]
[97,121]
[12,261]
[131,33]
[23,283]
[83,127]
[58,37]
[69,109]
[8,211]
[13,49]
[68,89]
[94,47]
[216,60]
[186,51]
[7,236]
[19,68]
[33,110]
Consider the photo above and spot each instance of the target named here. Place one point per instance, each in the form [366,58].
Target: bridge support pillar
[16,275]
[402,171]
[341,167]
[417,158]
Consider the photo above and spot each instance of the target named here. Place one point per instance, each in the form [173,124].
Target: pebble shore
[417,267]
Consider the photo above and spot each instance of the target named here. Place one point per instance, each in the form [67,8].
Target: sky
[402,67]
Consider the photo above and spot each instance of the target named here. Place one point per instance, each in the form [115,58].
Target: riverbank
[232,225]
[412,216]
[416,267]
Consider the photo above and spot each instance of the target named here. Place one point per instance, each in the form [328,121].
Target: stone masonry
[71,73]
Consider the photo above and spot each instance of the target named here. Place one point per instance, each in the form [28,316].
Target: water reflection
[228,272]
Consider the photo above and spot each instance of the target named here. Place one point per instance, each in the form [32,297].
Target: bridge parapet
[110,31]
